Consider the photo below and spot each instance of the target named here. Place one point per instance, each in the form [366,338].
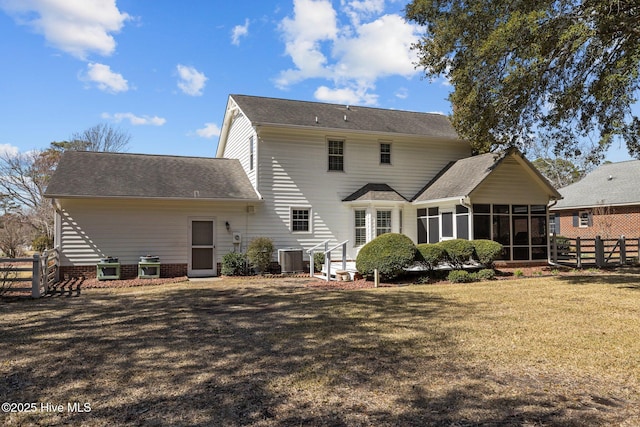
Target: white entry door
[202,247]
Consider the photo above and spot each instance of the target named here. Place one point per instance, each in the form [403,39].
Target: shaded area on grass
[210,354]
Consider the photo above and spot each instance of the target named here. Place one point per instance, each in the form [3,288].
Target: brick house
[604,203]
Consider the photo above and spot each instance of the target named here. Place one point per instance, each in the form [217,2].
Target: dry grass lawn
[558,351]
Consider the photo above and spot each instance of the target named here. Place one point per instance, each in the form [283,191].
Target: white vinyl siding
[90,229]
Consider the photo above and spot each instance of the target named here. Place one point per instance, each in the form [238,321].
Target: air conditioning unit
[290,260]
[237,238]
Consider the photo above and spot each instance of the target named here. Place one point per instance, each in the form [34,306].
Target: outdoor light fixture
[226,224]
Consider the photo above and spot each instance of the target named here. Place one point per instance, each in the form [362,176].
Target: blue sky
[162,70]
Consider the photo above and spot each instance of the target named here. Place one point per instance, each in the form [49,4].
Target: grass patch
[560,351]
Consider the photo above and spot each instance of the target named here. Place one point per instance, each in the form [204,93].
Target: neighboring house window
[554,224]
[383,222]
[584,219]
[360,227]
[251,150]
[300,219]
[385,153]
[336,155]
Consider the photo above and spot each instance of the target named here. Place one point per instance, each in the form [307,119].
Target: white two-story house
[299,173]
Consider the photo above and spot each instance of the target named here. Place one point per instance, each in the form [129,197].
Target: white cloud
[345,96]
[106,79]
[135,120]
[353,56]
[209,130]
[239,31]
[77,27]
[191,81]
[8,150]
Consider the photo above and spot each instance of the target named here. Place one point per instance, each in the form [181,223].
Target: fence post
[599,246]
[623,251]
[578,253]
[35,276]
[554,248]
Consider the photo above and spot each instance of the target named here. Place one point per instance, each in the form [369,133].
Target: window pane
[422,212]
[202,233]
[433,211]
[383,222]
[434,229]
[360,227]
[520,230]
[538,230]
[538,209]
[385,153]
[481,208]
[300,219]
[482,227]
[447,224]
[461,209]
[521,253]
[539,252]
[520,209]
[500,209]
[422,230]
[202,258]
[336,155]
[501,229]
[462,226]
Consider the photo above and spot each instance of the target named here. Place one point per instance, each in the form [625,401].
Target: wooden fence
[598,252]
[41,271]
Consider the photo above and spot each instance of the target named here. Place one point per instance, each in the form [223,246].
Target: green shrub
[390,253]
[430,255]
[486,274]
[233,264]
[260,253]
[460,276]
[318,260]
[486,251]
[459,252]
[518,273]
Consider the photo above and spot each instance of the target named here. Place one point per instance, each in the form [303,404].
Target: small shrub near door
[389,253]
[233,264]
[260,253]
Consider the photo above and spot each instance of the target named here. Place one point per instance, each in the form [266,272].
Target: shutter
[590,220]
[576,219]
[556,224]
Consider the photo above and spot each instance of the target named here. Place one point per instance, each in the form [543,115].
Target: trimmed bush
[486,251]
[460,276]
[41,243]
[233,264]
[430,255]
[486,274]
[260,253]
[459,252]
[390,253]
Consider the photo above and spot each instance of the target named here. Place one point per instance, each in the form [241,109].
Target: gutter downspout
[466,202]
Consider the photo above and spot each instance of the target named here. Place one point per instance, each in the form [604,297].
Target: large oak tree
[565,71]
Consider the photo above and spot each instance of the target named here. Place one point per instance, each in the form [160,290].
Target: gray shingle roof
[276,111]
[377,192]
[609,184]
[92,174]
[459,178]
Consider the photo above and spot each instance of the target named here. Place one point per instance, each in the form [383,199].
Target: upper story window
[336,155]
[251,151]
[385,153]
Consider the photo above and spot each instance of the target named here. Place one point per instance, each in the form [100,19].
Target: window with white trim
[360,227]
[300,220]
[336,155]
[383,222]
[385,153]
